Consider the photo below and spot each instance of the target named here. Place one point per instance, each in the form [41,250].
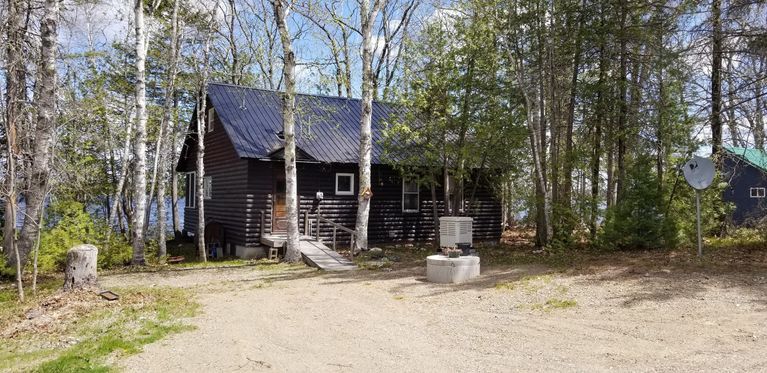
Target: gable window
[191,196]
[207,187]
[210,119]
[757,192]
[344,184]
[409,196]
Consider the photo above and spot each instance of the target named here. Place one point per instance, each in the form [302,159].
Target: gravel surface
[524,318]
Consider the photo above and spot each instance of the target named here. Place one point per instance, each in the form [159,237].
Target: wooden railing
[334,226]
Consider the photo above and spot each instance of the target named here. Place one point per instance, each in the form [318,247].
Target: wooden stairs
[313,252]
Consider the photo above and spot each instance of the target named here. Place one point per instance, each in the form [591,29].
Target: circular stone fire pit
[444,270]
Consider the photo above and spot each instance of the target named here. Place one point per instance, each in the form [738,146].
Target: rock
[376,253]
[33,314]
[80,271]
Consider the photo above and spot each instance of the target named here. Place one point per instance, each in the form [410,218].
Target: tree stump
[80,272]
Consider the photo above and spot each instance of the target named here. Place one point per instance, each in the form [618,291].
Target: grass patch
[554,304]
[87,334]
[530,284]
[260,264]
[561,303]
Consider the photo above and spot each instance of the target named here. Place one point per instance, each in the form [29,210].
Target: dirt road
[521,319]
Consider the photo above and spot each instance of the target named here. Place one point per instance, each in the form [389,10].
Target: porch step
[277,239]
[316,254]
[274,240]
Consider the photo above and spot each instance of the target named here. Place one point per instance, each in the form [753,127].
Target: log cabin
[244,181]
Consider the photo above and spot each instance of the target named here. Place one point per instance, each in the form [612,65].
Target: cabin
[244,182]
[745,171]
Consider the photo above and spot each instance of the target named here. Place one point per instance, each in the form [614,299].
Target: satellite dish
[699,172]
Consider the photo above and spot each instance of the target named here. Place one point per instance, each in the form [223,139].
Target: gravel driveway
[525,318]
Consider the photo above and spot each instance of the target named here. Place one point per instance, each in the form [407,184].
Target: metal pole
[697,213]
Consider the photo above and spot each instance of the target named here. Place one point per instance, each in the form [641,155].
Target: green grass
[554,304]
[530,283]
[743,238]
[100,334]
[561,303]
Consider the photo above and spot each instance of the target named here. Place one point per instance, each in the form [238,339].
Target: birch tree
[368,16]
[166,126]
[42,152]
[15,96]
[202,108]
[281,9]
[139,146]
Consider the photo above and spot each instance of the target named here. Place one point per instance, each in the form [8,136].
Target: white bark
[139,147]
[45,101]
[200,181]
[367,20]
[15,82]
[292,252]
[168,123]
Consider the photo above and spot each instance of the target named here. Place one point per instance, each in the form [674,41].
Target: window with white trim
[344,184]
[410,200]
[758,192]
[210,119]
[207,187]
[191,185]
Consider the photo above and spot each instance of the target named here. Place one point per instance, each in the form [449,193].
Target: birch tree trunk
[292,252]
[367,20]
[168,123]
[139,147]
[45,100]
[117,195]
[15,83]
[202,108]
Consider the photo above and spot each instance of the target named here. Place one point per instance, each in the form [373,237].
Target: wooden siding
[229,185]
[743,177]
[388,223]
[242,191]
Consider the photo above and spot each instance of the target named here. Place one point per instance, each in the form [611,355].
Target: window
[409,196]
[210,119]
[757,192]
[344,184]
[191,196]
[207,187]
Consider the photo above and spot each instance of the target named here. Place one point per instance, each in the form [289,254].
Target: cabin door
[279,210]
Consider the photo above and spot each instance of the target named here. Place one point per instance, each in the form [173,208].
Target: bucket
[465,248]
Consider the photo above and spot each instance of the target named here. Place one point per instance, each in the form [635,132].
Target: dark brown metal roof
[327,128]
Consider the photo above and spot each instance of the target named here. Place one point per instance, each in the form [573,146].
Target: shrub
[639,220]
[713,211]
[68,224]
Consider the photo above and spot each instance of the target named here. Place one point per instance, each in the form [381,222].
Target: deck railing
[333,225]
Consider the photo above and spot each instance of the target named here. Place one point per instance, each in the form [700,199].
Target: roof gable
[755,157]
[327,128]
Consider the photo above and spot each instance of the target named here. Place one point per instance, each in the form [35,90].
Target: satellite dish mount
[699,173]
